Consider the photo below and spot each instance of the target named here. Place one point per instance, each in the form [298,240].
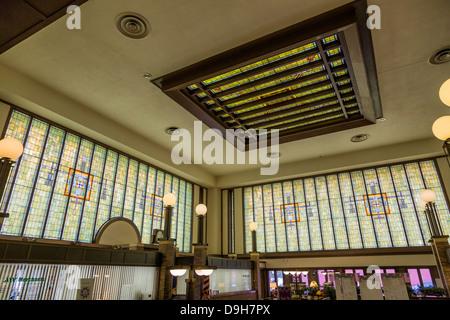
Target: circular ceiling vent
[273,155]
[173,130]
[133,25]
[359,138]
[440,57]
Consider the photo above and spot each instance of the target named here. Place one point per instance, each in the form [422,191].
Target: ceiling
[100,68]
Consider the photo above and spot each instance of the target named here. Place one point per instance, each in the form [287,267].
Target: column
[200,259]
[439,246]
[167,250]
[312,276]
[256,275]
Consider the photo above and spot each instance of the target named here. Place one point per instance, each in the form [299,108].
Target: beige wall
[26,93]
[420,149]
[357,261]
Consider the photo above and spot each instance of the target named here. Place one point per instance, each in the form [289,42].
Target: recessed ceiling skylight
[305,86]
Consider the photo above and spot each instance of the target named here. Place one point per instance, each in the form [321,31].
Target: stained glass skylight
[291,84]
[295,80]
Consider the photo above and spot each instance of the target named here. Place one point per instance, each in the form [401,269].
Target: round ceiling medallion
[133,25]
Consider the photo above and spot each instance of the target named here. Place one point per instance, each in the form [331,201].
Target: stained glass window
[370,208]
[66,187]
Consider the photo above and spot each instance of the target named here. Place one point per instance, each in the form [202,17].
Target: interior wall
[214,222]
[32,96]
[399,260]
[420,149]
[4,112]
[355,261]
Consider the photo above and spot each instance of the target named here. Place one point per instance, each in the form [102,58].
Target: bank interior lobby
[225,150]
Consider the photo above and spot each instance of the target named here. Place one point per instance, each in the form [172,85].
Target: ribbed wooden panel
[60,282]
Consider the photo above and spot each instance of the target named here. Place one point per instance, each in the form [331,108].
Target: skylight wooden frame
[354,38]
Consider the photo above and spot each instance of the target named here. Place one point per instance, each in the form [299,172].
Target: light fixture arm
[254,241]
[200,228]
[446,148]
[167,222]
[6,164]
[433,220]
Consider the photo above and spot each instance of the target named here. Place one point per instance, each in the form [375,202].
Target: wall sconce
[178,272]
[201,210]
[10,150]
[444,93]
[204,270]
[169,200]
[253,227]
[441,127]
[427,198]
[441,130]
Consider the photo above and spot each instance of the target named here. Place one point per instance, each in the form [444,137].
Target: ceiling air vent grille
[133,25]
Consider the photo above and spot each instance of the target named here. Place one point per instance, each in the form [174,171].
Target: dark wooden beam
[21,19]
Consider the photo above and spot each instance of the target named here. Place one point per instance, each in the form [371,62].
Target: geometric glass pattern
[79,186]
[66,186]
[307,87]
[367,208]
[376,204]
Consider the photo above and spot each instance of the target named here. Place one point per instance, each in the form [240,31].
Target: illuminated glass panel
[290,216]
[66,187]
[417,184]
[119,187]
[130,190]
[59,202]
[366,221]
[312,209]
[302,225]
[44,183]
[378,207]
[26,172]
[175,209]
[259,218]
[90,207]
[181,210]
[371,208]
[337,213]
[80,185]
[106,190]
[280,226]
[396,205]
[269,220]
[350,211]
[141,196]
[325,214]
[249,217]
[188,219]
[407,206]
[147,225]
[17,129]
[430,175]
